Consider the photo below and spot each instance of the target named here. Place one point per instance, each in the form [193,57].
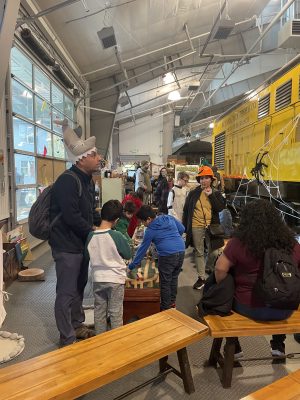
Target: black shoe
[277,349]
[297,337]
[238,352]
[199,284]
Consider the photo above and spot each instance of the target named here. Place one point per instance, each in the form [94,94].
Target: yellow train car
[257,142]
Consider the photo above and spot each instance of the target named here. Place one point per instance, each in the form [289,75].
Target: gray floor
[30,313]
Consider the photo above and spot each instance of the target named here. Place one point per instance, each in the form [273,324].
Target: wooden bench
[287,388]
[235,326]
[77,369]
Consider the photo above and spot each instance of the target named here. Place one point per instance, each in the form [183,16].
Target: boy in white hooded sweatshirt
[107,250]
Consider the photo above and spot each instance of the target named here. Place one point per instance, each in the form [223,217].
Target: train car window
[283,95]
[219,159]
[263,106]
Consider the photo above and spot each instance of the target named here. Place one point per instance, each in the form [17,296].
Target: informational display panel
[112,189]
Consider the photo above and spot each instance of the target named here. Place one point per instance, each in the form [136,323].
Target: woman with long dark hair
[162,192]
[261,227]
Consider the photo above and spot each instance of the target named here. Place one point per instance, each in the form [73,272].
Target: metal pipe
[214,24]
[160,49]
[40,14]
[155,116]
[271,24]
[146,110]
[120,62]
[185,27]
[98,109]
[136,76]
[34,45]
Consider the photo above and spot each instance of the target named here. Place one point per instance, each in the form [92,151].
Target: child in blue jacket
[165,232]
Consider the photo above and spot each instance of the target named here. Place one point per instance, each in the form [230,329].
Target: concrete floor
[30,313]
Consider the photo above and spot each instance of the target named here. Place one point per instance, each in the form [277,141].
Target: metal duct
[62,76]
[34,45]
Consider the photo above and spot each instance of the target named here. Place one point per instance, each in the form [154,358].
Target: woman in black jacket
[162,192]
[201,209]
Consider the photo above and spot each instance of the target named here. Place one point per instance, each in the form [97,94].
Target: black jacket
[217,204]
[217,297]
[161,195]
[70,231]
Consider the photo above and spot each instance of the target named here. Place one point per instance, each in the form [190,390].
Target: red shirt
[134,221]
[246,269]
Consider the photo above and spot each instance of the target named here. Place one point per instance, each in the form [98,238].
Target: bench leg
[185,370]
[215,352]
[229,349]
[163,364]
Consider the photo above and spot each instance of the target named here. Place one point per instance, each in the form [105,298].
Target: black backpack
[39,215]
[279,286]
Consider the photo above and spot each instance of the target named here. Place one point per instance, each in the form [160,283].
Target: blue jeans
[169,268]
[108,300]
[264,314]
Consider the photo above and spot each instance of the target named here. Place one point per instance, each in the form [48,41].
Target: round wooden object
[31,274]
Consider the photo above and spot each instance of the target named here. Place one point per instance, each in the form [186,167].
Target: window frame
[67,99]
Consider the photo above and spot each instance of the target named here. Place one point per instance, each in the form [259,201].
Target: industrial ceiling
[125,48]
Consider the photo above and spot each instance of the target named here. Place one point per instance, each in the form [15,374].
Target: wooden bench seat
[287,388]
[235,326]
[77,369]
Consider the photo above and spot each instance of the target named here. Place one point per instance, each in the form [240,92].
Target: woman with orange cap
[201,209]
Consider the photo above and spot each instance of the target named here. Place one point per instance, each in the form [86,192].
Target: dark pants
[264,314]
[72,275]
[169,268]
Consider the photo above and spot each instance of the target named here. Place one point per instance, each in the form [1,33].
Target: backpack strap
[75,176]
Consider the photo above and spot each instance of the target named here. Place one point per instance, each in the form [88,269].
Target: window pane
[69,108]
[42,112]
[24,200]
[44,142]
[21,66]
[57,98]
[57,115]
[25,169]
[23,135]
[41,84]
[22,100]
[58,147]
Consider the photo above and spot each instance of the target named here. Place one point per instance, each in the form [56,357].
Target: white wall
[144,138]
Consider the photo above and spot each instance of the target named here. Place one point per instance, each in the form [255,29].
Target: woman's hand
[208,191]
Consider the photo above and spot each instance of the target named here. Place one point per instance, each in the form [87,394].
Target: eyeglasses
[186,180]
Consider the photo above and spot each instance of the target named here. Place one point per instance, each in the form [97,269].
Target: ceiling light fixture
[168,78]
[211,125]
[174,96]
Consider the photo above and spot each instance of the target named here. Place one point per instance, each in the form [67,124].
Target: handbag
[214,230]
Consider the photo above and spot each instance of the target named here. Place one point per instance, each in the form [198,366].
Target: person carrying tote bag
[201,209]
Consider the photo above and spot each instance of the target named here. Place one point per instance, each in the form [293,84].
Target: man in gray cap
[142,180]
[73,212]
